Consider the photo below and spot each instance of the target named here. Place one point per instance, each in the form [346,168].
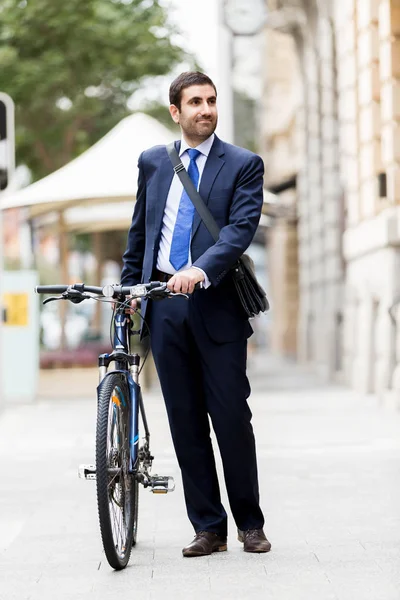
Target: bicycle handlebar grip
[51,289]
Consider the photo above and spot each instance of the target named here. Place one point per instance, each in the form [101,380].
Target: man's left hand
[184,281]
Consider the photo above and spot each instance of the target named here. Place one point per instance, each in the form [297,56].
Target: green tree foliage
[71,65]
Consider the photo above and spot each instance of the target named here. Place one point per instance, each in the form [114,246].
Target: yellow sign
[15,307]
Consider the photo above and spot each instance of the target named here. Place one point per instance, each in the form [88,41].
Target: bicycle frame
[128,365]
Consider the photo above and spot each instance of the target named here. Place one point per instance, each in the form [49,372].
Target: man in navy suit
[199,345]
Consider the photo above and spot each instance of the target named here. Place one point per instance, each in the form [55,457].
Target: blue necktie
[179,253]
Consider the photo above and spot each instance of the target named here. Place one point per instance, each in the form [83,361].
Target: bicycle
[120,463]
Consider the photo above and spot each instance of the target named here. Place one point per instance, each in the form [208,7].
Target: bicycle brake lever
[157,293]
[173,294]
[75,298]
[52,298]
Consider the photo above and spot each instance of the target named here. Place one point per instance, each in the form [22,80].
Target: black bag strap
[193,194]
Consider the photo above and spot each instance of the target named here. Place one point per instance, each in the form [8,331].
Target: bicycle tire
[117,490]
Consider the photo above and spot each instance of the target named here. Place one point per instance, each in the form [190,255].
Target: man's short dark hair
[185,80]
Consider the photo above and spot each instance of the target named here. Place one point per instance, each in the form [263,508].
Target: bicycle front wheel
[117,489]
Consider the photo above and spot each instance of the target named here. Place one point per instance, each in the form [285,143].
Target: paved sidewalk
[329,464]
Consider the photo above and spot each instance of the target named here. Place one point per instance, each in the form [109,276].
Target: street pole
[7,143]
[236,18]
[225,78]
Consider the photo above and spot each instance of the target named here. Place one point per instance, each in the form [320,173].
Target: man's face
[198,115]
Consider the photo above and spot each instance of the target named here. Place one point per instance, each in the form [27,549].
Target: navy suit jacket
[232,187]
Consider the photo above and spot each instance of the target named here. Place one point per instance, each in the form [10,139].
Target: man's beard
[191,130]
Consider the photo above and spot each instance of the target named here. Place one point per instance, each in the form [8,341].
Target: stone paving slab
[330,488]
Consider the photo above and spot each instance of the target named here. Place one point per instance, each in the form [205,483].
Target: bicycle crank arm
[87,472]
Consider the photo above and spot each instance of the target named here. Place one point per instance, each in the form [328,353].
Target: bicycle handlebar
[79,287]
[143,290]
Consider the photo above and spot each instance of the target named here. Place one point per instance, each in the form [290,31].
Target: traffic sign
[16,309]
[7,140]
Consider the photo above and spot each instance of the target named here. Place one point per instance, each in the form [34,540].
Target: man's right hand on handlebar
[185,281]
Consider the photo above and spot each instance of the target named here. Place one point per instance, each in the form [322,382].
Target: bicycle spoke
[113,479]
[116,523]
[117,530]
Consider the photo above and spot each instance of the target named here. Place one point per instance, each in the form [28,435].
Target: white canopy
[106,172]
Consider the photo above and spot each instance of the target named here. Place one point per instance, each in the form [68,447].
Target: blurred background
[313,86]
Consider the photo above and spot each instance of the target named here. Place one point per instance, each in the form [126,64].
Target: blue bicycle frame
[128,365]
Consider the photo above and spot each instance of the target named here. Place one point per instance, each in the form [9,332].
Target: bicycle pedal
[87,472]
[160,484]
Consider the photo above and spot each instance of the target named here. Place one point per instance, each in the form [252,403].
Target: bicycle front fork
[132,360]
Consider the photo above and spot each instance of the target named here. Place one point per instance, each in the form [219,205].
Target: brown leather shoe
[254,540]
[204,543]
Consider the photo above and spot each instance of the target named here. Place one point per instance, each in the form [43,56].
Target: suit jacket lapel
[212,167]
[165,176]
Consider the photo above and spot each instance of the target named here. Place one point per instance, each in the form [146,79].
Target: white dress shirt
[172,206]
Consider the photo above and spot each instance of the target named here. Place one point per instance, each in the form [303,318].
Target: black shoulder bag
[251,295]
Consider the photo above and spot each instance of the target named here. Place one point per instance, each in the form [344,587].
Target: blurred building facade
[331,144]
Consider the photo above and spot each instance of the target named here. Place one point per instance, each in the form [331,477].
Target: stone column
[345,19]
[320,202]
[389,35]
[332,200]
[345,23]
[281,153]
[310,212]
[389,69]
[284,285]
[369,96]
